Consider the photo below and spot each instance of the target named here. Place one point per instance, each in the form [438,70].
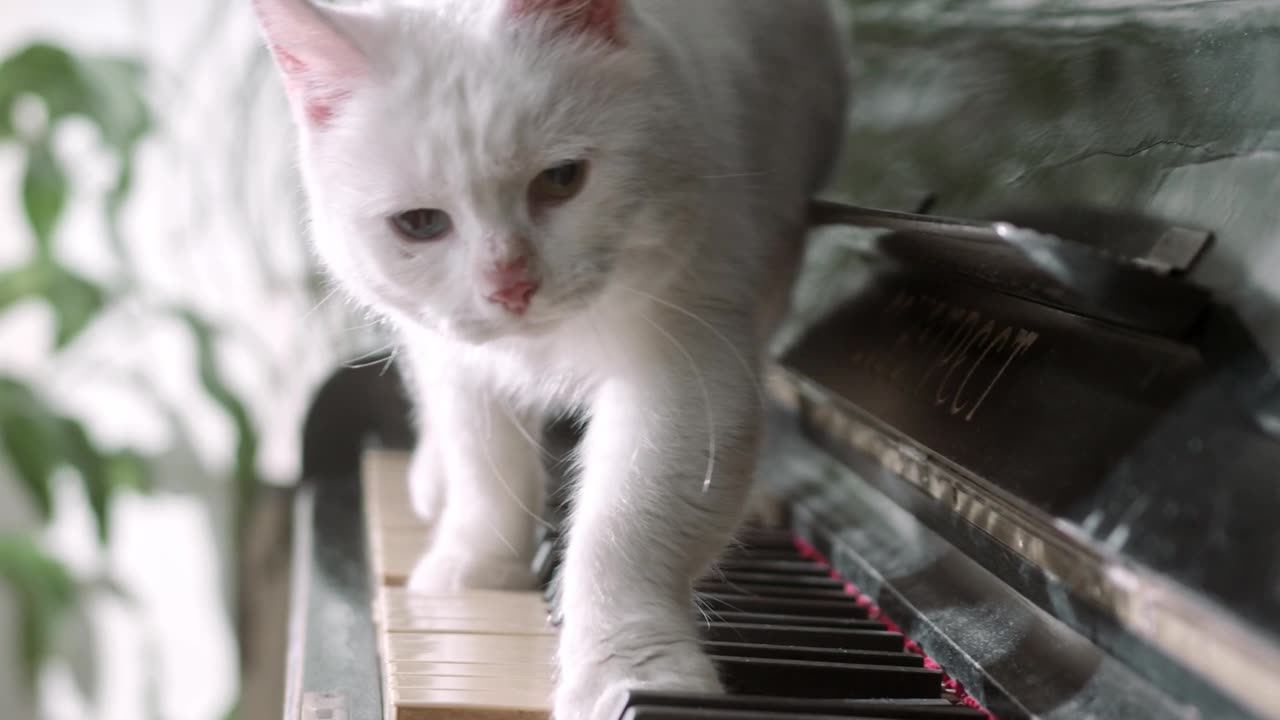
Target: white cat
[596,204]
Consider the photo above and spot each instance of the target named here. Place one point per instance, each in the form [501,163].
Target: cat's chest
[550,373]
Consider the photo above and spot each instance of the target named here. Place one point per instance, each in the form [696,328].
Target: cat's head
[473,166]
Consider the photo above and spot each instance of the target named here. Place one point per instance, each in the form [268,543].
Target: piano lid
[1128,459]
[1159,108]
[1095,429]
[1008,371]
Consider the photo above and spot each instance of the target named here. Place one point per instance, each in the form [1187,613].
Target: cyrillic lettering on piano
[944,353]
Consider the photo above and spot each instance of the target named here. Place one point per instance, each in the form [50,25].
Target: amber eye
[422,224]
[559,183]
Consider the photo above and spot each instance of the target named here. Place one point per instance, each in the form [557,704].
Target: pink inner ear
[319,64]
[594,16]
[318,103]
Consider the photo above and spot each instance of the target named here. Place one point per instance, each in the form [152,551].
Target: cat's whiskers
[533,442]
[349,366]
[706,616]
[706,399]
[502,479]
[372,323]
[710,615]
[503,538]
[395,353]
[606,348]
[320,304]
[746,366]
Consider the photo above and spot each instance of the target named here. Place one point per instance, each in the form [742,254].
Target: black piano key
[797,678]
[779,554]
[806,620]
[814,654]
[649,712]
[666,713]
[770,579]
[798,593]
[800,708]
[776,567]
[724,602]
[804,636]
[765,539]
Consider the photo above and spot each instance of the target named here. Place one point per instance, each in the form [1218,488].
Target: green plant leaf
[92,467]
[22,283]
[33,459]
[75,301]
[129,471]
[117,105]
[44,194]
[30,442]
[46,593]
[246,474]
[48,72]
[115,204]
[38,441]
[107,91]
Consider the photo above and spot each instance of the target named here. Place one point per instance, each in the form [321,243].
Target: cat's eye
[422,224]
[559,183]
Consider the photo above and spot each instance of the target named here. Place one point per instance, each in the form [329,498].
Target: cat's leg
[649,520]
[483,537]
[426,473]
[427,484]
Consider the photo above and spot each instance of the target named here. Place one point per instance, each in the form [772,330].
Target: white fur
[708,127]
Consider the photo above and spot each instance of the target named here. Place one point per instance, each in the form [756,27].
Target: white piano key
[464,648]
[522,685]
[447,669]
[470,626]
[463,656]
[428,704]
[478,602]
[387,490]
[495,613]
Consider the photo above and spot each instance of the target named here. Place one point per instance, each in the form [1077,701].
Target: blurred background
[163,329]
[161,332]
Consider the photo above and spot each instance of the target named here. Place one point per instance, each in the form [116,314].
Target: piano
[1024,423]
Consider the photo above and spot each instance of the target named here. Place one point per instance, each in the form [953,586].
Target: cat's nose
[513,282]
[515,298]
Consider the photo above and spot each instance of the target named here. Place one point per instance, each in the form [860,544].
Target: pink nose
[515,297]
[514,285]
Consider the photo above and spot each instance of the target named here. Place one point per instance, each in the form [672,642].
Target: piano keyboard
[792,642]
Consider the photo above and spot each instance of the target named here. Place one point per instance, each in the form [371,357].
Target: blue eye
[422,224]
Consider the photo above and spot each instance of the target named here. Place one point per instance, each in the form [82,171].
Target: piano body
[1024,450]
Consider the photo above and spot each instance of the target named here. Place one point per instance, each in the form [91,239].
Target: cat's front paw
[450,570]
[595,690]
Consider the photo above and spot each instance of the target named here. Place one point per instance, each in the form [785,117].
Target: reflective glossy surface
[1036,111]
[1161,107]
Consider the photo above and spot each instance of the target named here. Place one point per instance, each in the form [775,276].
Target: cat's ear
[320,65]
[596,17]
